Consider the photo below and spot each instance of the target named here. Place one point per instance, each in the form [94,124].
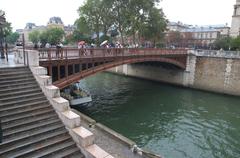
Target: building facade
[182,35]
[235,27]
[54,22]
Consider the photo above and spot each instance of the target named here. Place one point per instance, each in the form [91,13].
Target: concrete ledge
[115,135]
[52,91]
[95,151]
[60,104]
[149,154]
[70,119]
[82,136]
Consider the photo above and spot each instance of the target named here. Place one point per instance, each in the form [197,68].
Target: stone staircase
[30,125]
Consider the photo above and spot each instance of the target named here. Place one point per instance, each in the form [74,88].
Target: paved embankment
[113,142]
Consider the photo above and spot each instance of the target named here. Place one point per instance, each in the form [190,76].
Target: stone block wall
[151,73]
[215,71]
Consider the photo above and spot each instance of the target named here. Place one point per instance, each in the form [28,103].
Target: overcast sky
[195,12]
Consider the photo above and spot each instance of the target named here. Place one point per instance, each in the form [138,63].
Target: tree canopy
[34,36]
[12,38]
[52,36]
[139,19]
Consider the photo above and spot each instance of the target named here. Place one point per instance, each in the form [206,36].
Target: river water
[172,121]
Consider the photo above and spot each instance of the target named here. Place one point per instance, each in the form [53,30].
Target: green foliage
[223,43]
[34,36]
[82,26]
[55,35]
[79,36]
[154,25]
[7,30]
[43,37]
[137,18]
[235,43]
[91,12]
[12,38]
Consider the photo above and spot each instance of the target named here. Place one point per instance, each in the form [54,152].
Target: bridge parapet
[216,53]
[74,53]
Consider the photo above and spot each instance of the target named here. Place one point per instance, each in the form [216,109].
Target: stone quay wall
[215,71]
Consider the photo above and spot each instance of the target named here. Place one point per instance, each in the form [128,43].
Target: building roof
[204,28]
[55,20]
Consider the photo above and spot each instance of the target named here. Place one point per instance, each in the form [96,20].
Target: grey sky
[196,12]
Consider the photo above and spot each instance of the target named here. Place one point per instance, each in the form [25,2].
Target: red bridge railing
[74,53]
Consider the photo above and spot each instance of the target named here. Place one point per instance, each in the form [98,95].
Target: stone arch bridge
[69,65]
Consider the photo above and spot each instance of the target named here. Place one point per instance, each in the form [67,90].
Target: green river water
[172,121]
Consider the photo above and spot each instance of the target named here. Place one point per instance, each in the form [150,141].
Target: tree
[82,33]
[12,38]
[90,11]
[226,43]
[127,17]
[34,37]
[43,37]
[234,43]
[82,26]
[54,35]
[154,25]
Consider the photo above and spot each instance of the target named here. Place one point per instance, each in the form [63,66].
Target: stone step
[66,152]
[13,89]
[37,148]
[26,115]
[24,134]
[8,130]
[14,73]
[17,103]
[31,140]
[12,78]
[76,154]
[17,81]
[10,85]
[20,92]
[31,135]
[22,111]
[32,125]
[15,69]
[20,97]
[54,150]
[22,101]
[41,101]
[24,121]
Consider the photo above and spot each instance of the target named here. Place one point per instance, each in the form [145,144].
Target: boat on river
[76,95]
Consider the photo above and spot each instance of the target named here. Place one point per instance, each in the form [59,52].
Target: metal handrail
[73,53]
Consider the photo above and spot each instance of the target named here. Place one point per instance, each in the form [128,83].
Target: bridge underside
[68,71]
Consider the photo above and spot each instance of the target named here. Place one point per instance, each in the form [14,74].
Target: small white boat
[80,100]
[76,96]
